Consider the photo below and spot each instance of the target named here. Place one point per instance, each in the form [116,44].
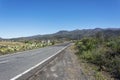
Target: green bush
[105,55]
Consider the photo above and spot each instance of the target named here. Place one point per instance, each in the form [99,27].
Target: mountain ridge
[74,34]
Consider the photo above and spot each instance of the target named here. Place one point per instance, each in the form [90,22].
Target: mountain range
[74,35]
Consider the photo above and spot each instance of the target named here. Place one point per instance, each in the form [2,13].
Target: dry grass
[10,43]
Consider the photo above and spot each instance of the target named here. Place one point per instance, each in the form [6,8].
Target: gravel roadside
[64,67]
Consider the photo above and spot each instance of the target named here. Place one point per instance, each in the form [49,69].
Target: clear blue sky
[19,18]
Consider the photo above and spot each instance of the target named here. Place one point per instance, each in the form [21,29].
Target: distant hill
[0,38]
[75,34]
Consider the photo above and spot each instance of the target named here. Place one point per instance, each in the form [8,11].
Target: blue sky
[19,18]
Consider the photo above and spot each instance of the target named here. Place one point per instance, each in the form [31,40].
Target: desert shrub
[105,55]
[11,47]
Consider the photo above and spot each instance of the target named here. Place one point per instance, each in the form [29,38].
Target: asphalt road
[15,64]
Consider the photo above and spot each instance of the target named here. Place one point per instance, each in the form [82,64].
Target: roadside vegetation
[101,51]
[7,47]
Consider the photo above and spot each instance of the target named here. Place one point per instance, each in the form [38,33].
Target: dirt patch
[64,67]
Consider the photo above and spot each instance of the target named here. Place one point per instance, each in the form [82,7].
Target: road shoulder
[64,67]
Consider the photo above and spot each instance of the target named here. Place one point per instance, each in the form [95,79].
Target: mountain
[75,34]
[0,38]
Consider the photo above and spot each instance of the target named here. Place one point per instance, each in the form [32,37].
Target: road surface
[64,67]
[15,64]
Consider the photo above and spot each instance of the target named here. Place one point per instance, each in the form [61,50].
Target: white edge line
[16,77]
[4,61]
